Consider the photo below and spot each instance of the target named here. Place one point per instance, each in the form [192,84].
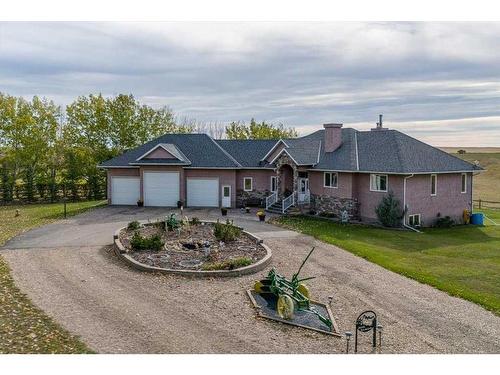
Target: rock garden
[191,245]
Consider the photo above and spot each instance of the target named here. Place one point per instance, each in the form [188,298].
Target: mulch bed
[186,250]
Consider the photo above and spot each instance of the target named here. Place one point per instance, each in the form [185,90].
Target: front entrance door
[226,196]
[303,194]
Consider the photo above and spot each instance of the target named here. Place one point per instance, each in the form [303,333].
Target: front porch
[291,187]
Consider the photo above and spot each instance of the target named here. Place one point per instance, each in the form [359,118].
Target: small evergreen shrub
[230,264]
[133,225]
[444,222]
[140,243]
[389,211]
[226,232]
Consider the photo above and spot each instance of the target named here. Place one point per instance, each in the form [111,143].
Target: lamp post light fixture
[348,336]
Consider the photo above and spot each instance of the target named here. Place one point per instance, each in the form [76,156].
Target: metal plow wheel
[304,290]
[285,307]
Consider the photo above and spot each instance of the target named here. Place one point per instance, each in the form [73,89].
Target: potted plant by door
[223,211]
[247,210]
[261,215]
[140,203]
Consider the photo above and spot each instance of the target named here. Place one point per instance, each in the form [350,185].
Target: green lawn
[23,327]
[463,261]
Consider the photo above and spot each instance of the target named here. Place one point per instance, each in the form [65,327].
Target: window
[414,220]
[273,184]
[433,184]
[331,179]
[464,183]
[248,183]
[378,182]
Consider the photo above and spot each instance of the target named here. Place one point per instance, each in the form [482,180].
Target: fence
[480,203]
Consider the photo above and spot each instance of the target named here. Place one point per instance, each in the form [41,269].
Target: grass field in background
[23,327]
[487,183]
[463,261]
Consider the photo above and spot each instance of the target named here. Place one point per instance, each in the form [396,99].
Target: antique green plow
[292,295]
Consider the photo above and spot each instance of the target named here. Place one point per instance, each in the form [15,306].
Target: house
[332,170]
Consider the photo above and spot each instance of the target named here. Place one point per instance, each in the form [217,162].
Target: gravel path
[68,272]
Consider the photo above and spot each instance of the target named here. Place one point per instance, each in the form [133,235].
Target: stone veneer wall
[335,205]
[282,160]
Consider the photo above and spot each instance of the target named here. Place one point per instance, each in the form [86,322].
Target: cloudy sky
[439,82]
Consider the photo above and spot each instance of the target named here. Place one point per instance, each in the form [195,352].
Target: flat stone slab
[265,304]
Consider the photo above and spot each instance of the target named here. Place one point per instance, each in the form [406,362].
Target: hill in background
[487,183]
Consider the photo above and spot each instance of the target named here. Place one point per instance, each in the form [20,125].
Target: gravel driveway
[68,270]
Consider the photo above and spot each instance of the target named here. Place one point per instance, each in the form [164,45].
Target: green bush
[133,225]
[389,211]
[226,232]
[230,264]
[172,223]
[194,221]
[139,242]
[444,222]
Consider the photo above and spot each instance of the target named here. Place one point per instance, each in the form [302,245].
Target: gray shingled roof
[248,152]
[385,150]
[200,149]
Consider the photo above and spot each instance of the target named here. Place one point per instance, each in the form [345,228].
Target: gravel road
[69,271]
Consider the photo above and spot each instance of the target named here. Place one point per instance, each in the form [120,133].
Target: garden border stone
[122,253]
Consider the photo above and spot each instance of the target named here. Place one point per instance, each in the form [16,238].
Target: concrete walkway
[67,270]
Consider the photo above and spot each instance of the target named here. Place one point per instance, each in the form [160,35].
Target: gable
[159,153]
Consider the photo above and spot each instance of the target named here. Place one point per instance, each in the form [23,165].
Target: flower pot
[140,203]
[262,217]
[223,211]
[179,204]
[247,210]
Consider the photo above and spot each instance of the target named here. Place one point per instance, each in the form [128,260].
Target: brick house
[330,170]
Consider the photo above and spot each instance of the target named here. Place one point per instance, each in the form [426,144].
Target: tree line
[47,153]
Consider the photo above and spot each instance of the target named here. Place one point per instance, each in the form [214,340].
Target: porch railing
[288,202]
[304,198]
[271,199]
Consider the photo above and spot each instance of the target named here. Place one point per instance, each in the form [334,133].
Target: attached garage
[161,189]
[125,190]
[202,192]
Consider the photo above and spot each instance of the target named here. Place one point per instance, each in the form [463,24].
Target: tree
[263,130]
[389,211]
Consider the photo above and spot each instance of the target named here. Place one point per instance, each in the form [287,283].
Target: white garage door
[202,192]
[161,189]
[125,190]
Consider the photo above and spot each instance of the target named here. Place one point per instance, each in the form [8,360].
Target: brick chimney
[333,136]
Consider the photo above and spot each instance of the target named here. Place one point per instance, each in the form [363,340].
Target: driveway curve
[68,270]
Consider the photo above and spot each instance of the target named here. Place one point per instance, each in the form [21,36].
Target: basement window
[464,183]
[433,184]
[414,220]
[378,182]
[331,179]
[248,183]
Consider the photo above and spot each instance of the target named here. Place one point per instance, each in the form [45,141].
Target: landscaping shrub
[194,221]
[172,223]
[226,232]
[133,225]
[230,264]
[139,242]
[444,222]
[389,211]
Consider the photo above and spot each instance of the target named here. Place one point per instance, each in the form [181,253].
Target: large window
[331,179]
[464,183]
[378,182]
[248,183]
[433,184]
[273,184]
